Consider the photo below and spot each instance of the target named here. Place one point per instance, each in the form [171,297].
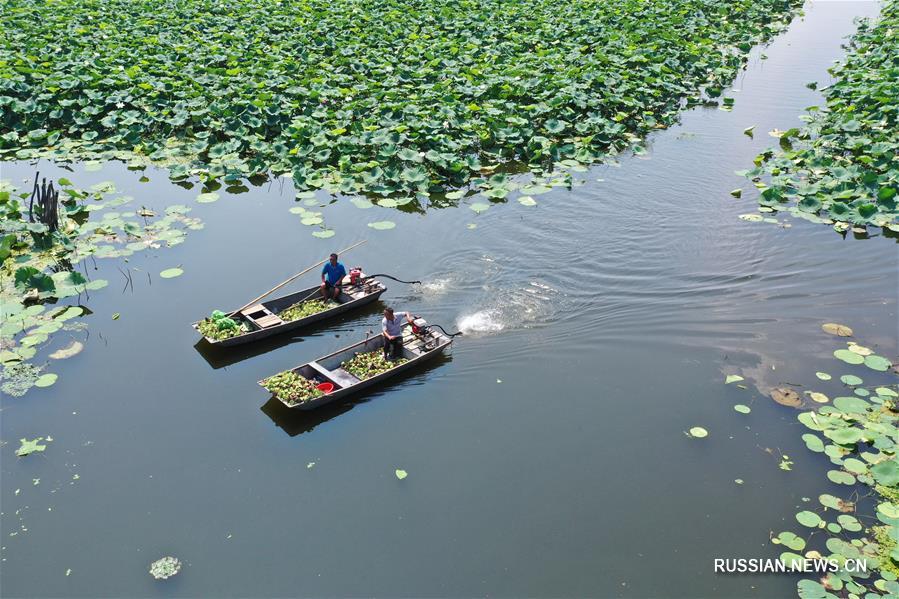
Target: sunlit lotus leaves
[841,478]
[860,349]
[382,225]
[837,329]
[818,397]
[813,442]
[879,363]
[851,379]
[789,540]
[848,356]
[207,198]
[30,446]
[45,380]
[809,519]
[850,404]
[886,473]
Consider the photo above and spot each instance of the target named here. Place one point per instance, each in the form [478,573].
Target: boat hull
[321,368]
[350,302]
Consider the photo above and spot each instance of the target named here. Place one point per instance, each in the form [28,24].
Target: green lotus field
[394,96]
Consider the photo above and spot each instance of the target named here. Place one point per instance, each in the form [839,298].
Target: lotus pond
[644,384]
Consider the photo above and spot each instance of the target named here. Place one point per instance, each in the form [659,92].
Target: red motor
[419,326]
[355,275]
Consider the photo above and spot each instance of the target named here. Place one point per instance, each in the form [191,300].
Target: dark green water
[610,313]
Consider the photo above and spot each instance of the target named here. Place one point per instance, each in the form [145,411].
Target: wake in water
[523,307]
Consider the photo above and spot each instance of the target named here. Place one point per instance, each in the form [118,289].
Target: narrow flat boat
[331,377]
[265,319]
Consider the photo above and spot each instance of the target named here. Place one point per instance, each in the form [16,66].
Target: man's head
[333,259]
[388,313]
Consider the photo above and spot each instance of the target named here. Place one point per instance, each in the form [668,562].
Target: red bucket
[325,387]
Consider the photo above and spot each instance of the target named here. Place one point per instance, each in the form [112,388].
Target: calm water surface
[546,454]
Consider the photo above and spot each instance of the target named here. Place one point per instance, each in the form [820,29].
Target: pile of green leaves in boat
[366,365]
[306,308]
[220,326]
[292,388]
[385,97]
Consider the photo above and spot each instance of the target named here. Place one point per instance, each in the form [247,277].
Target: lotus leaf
[851,379]
[848,356]
[382,225]
[837,329]
[840,477]
[875,362]
[786,397]
[813,442]
[818,397]
[28,447]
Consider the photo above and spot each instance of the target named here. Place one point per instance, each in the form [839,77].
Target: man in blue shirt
[332,278]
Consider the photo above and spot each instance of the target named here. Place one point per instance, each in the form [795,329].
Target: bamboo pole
[299,274]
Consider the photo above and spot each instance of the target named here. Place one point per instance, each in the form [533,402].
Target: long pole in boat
[299,274]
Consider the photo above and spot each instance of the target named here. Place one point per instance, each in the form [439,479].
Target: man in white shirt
[392,329]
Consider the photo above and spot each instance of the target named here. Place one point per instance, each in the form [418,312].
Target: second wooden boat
[420,343]
[262,320]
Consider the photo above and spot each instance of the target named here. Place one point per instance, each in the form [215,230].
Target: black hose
[456,334]
[394,278]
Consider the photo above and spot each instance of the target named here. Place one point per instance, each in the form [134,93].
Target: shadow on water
[296,422]
[220,357]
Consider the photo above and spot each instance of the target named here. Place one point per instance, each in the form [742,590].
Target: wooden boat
[263,319]
[417,348]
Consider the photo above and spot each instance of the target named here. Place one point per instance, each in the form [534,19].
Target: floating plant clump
[165,568]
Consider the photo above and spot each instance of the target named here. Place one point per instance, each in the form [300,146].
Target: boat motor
[355,275]
[420,326]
